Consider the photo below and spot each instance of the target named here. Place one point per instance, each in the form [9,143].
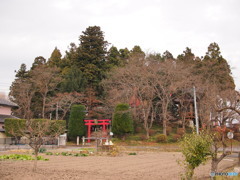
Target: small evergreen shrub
[76,126]
[122,120]
[42,150]
[161,138]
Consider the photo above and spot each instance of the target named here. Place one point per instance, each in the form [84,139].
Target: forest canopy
[100,76]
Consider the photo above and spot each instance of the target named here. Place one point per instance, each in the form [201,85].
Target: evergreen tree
[187,56]
[21,92]
[124,53]
[73,80]
[76,125]
[216,70]
[122,120]
[55,59]
[38,61]
[71,57]
[213,52]
[92,53]
[137,51]
[167,55]
[155,56]
[114,58]
[22,72]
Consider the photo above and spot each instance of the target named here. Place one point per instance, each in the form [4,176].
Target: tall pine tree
[55,59]
[92,55]
[216,70]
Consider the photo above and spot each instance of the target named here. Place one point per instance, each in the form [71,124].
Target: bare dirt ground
[143,166]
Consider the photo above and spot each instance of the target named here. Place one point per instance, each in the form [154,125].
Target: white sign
[230,135]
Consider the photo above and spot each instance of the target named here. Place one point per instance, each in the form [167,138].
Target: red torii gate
[89,123]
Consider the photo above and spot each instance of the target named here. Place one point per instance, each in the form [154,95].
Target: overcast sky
[31,28]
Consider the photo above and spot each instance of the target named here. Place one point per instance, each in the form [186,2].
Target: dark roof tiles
[3,117]
[7,103]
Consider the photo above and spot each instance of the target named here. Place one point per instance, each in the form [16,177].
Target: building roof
[6,102]
[3,117]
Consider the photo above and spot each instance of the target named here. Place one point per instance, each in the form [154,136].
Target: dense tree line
[99,76]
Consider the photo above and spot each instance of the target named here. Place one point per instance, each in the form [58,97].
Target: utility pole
[195,108]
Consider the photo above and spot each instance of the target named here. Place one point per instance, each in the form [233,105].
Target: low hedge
[15,127]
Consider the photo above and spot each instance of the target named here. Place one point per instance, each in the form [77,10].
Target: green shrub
[76,126]
[13,127]
[196,150]
[42,150]
[16,127]
[122,120]
[132,153]
[58,124]
[161,138]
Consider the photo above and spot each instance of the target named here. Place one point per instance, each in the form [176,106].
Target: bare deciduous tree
[168,77]
[37,133]
[134,80]
[22,92]
[45,79]
[152,83]
[219,109]
[64,101]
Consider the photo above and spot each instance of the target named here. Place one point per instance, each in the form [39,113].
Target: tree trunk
[184,124]
[164,112]
[214,165]
[147,133]
[35,160]
[43,108]
[165,127]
